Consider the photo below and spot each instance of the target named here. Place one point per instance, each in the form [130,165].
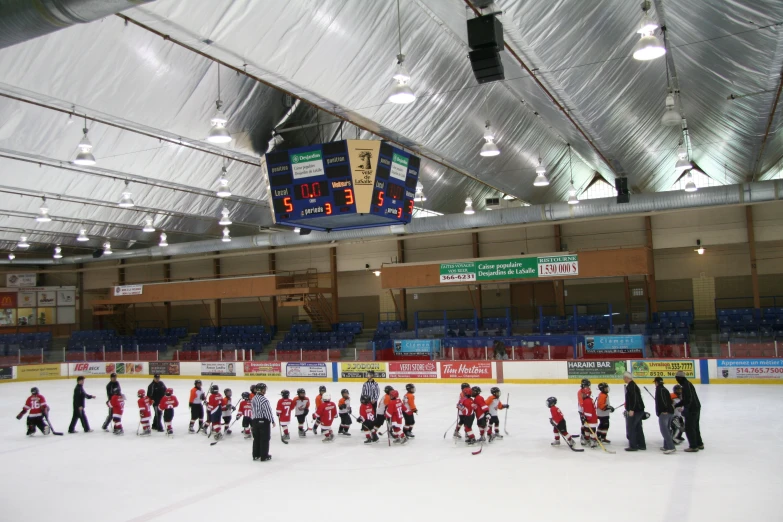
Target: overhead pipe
[742,194]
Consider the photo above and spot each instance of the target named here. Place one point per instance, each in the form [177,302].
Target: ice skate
[368,441]
[457,435]
[556,443]
[119,431]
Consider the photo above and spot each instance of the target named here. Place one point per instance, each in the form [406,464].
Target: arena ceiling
[149,100]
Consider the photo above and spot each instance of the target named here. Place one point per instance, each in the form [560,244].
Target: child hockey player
[604,411]
[344,408]
[494,404]
[246,412]
[482,412]
[301,409]
[380,411]
[196,404]
[167,405]
[214,411]
[117,408]
[409,409]
[580,399]
[325,414]
[319,399]
[590,417]
[228,409]
[367,419]
[145,413]
[678,422]
[36,408]
[394,414]
[464,386]
[283,410]
[467,409]
[558,422]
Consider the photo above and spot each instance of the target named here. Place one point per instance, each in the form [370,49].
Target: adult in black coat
[634,408]
[664,409]
[112,388]
[692,413]
[156,391]
[79,395]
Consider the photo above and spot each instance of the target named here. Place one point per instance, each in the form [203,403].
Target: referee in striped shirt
[262,418]
[371,389]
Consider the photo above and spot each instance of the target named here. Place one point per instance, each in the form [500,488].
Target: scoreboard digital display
[342,185]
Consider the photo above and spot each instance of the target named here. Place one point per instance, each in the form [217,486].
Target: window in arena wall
[699,178]
[598,188]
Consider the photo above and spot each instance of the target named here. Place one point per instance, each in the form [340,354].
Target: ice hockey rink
[99,476]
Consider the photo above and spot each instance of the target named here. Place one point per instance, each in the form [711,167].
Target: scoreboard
[343,185]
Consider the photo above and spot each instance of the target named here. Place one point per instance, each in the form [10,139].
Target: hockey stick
[505,421]
[598,440]
[282,438]
[578,450]
[481,448]
[51,428]
[449,428]
[388,432]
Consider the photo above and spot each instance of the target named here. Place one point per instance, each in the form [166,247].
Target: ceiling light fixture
[690,185]
[572,199]
[223,190]
[84,156]
[43,216]
[107,249]
[699,249]
[163,242]
[226,235]
[419,196]
[23,242]
[509,197]
[82,235]
[671,115]
[224,220]
[11,257]
[541,179]
[125,200]
[682,159]
[218,132]
[377,273]
[401,92]
[148,225]
[649,46]
[58,252]
[469,207]
[489,148]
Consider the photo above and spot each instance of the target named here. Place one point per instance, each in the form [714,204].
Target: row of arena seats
[26,341]
[198,346]
[487,323]
[346,337]
[352,327]
[179,332]
[584,323]
[323,344]
[677,316]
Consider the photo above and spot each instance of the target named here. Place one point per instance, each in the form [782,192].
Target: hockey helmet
[585,383]
[476,390]
[300,392]
[603,387]
[141,394]
[410,388]
[285,394]
[169,391]
[245,395]
[326,397]
[227,392]
[394,394]
[214,389]
[322,389]
[387,389]
[344,392]
[495,391]
[364,399]
[34,390]
[551,402]
[197,383]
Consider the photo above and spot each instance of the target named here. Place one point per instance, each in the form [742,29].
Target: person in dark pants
[692,412]
[634,409]
[262,419]
[664,409]
[156,391]
[78,407]
[112,388]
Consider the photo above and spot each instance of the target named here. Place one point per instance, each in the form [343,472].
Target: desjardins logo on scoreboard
[306,156]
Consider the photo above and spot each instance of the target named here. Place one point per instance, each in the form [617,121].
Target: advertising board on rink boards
[358,370]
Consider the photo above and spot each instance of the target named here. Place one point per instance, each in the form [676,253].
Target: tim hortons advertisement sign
[466,370]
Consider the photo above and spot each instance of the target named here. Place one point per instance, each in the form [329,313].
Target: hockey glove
[359,420]
[645,416]
[416,411]
[315,417]
[238,415]
[610,409]
[307,410]
[19,417]
[553,423]
[506,406]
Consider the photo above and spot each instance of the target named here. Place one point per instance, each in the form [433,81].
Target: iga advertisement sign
[614,343]
[263,369]
[358,370]
[85,368]
[302,369]
[413,370]
[466,370]
[163,368]
[596,369]
[218,368]
[750,369]
[648,368]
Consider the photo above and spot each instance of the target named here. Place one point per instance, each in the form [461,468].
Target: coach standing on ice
[634,409]
[112,389]
[156,391]
[78,407]
[371,389]
[692,412]
[262,418]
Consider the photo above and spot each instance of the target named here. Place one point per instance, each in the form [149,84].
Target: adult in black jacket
[692,412]
[634,409]
[156,391]
[78,407]
[664,409]
[112,388]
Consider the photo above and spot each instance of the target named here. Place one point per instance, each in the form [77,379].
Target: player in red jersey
[246,412]
[591,417]
[467,409]
[463,387]
[344,409]
[284,408]
[36,408]
[167,405]
[584,389]
[301,409]
[396,418]
[228,409]
[367,419]
[145,413]
[482,412]
[215,410]
[117,403]
[559,421]
[325,414]
[319,399]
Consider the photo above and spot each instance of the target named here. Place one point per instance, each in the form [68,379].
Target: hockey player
[380,410]
[604,410]
[467,409]
[494,404]
[464,386]
[284,407]
[145,413]
[482,412]
[167,405]
[324,415]
[246,412]
[558,421]
[228,409]
[36,409]
[395,416]
[678,422]
[367,419]
[344,408]
[318,401]
[215,410]
[117,408]
[591,419]
[301,409]
[580,399]
[409,409]
[196,403]
[112,387]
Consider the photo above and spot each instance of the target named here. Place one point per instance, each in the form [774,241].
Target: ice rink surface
[97,477]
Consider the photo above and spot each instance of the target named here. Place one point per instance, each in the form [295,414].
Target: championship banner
[218,368]
[614,343]
[414,346]
[6,372]
[85,368]
[466,370]
[305,370]
[750,369]
[263,369]
[37,371]
[358,370]
[413,370]
[163,368]
[598,370]
[125,368]
[647,368]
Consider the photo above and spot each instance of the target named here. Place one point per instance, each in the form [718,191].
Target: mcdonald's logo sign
[8,300]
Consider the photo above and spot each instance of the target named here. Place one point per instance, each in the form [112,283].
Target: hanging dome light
[218,132]
[224,220]
[671,115]
[23,242]
[541,179]
[682,165]
[419,196]
[163,242]
[489,148]
[509,197]
[58,252]
[377,273]
[699,249]
[572,199]
[682,152]
[107,249]
[401,93]
[125,200]
[226,235]
[649,46]
[690,185]
[223,190]
[43,216]
[11,257]
[148,225]
[469,207]
[82,235]
[84,156]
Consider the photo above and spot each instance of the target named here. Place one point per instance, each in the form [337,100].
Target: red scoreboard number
[313,190]
[343,197]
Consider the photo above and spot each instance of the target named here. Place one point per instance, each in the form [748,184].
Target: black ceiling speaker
[485,38]
[621,185]
[97,253]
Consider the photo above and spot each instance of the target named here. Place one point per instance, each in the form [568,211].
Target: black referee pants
[262,432]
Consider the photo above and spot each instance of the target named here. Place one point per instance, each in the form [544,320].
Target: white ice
[99,476]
